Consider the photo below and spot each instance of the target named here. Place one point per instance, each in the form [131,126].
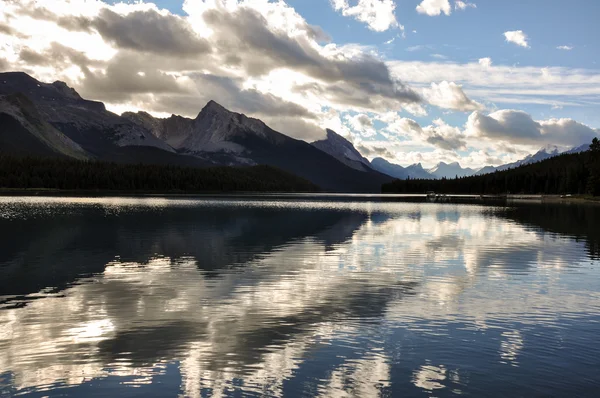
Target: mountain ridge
[217,136]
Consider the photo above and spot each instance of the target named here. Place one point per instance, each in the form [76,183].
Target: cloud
[371,151]
[250,56]
[439,134]
[6,30]
[150,31]
[362,124]
[463,5]
[434,7]
[518,127]
[566,48]
[507,84]
[517,37]
[449,95]
[377,14]
[444,136]
[485,62]
[438,56]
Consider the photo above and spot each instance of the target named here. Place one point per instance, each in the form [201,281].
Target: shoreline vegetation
[572,174]
[570,178]
[33,174]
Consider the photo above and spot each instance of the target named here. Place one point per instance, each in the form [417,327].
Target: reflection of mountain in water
[45,252]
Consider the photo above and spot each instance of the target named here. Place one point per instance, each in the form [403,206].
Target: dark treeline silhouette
[69,174]
[577,173]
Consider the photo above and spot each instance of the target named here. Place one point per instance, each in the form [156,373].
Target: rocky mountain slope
[25,132]
[343,150]
[220,136]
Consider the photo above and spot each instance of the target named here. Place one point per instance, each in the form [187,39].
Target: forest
[70,174]
[577,173]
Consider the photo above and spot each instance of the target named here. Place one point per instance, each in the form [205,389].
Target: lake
[297,296]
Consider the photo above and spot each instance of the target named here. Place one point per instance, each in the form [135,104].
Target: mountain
[47,119]
[343,150]
[25,132]
[413,171]
[578,149]
[543,154]
[100,134]
[223,137]
[391,169]
[451,170]
[417,171]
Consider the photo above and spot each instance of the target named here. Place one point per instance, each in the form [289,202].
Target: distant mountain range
[43,119]
[452,170]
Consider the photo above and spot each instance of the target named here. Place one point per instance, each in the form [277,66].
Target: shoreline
[439,198]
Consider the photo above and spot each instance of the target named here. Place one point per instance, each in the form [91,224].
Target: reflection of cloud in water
[291,292]
[429,377]
[511,346]
[359,378]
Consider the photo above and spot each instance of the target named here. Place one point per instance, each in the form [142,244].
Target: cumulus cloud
[485,62]
[439,134]
[362,124]
[518,127]
[150,31]
[434,7]
[444,136]
[565,48]
[377,14]
[370,150]
[450,95]
[517,37]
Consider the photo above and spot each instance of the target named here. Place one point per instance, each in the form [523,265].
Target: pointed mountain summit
[343,150]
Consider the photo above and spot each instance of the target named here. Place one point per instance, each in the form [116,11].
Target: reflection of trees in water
[577,221]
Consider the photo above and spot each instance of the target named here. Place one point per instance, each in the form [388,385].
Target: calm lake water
[297,297]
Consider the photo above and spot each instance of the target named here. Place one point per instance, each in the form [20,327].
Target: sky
[480,82]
